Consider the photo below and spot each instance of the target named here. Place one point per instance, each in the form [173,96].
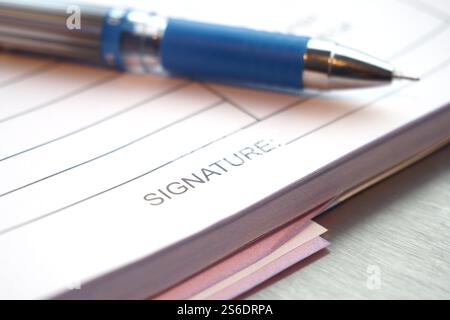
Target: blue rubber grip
[233,55]
[114,24]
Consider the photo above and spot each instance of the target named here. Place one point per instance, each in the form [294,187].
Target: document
[252,265]
[101,169]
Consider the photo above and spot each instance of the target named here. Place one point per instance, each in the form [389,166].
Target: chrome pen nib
[400,76]
[328,65]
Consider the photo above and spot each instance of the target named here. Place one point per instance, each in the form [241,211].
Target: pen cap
[233,54]
[52,28]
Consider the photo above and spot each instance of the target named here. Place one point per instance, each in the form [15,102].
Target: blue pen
[145,42]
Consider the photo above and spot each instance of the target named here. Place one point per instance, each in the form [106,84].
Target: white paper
[82,147]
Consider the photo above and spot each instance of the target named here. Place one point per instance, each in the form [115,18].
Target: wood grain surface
[392,241]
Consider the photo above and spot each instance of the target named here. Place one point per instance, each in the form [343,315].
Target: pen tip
[401,76]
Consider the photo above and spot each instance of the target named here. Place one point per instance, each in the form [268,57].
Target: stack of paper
[255,263]
[121,186]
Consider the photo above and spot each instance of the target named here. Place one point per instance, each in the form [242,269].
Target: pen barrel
[51,28]
[233,54]
[144,42]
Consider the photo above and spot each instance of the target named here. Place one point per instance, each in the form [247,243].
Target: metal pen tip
[401,76]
